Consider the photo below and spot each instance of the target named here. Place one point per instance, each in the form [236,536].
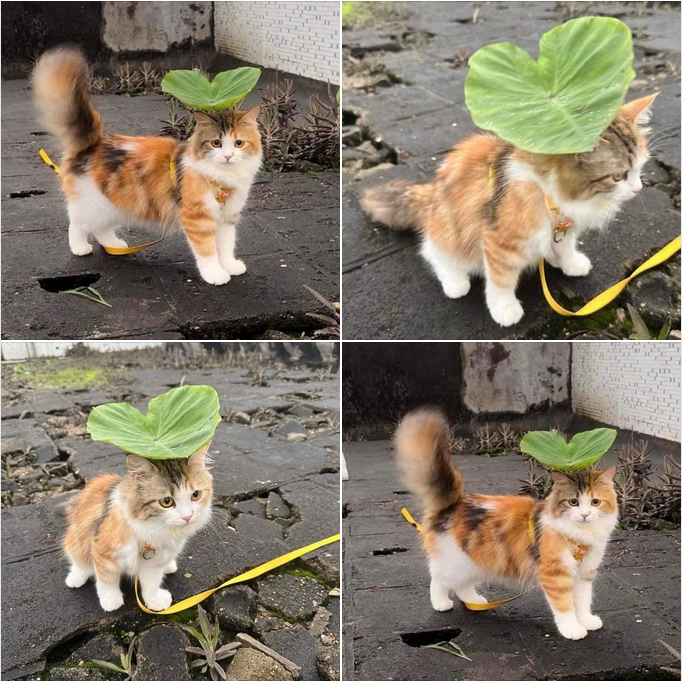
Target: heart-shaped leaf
[553,452]
[562,102]
[177,424]
[227,89]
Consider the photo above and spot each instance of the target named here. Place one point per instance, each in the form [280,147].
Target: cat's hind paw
[214,274]
[111,601]
[235,267]
[442,603]
[573,631]
[591,622]
[81,248]
[507,313]
[74,580]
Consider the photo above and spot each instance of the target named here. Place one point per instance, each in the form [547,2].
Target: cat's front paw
[214,274]
[159,600]
[441,603]
[170,568]
[456,288]
[591,622]
[573,631]
[75,580]
[578,265]
[81,248]
[235,267]
[111,601]
[507,314]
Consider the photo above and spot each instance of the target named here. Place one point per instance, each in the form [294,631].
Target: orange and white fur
[485,211]
[475,538]
[113,521]
[112,180]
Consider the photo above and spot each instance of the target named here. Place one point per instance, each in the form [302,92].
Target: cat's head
[175,492]
[584,497]
[226,138]
[613,168]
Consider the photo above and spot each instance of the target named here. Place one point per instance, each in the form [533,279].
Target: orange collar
[561,223]
[579,551]
[220,192]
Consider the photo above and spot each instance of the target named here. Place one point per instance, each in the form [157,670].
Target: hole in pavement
[389,552]
[346,510]
[59,284]
[401,491]
[25,194]
[349,117]
[39,133]
[418,639]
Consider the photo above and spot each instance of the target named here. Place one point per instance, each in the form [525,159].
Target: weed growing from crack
[209,654]
[127,666]
[332,330]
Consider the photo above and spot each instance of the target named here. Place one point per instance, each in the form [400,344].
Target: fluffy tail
[60,91]
[399,204]
[423,447]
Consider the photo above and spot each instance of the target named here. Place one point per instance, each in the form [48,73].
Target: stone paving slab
[289,237]
[390,292]
[249,464]
[386,593]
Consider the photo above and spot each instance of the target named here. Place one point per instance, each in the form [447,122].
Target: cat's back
[90,504]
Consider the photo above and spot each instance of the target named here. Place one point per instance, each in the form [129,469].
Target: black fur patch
[473,515]
[107,507]
[537,531]
[628,143]
[82,120]
[177,181]
[172,470]
[442,520]
[114,157]
[79,164]
[500,184]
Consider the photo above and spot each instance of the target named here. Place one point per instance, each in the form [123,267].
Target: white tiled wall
[295,37]
[630,385]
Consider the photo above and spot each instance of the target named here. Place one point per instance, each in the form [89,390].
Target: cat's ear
[560,478]
[198,459]
[607,475]
[139,467]
[251,117]
[638,109]
[203,119]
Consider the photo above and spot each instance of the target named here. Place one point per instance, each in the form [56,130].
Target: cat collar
[562,225]
[147,551]
[579,551]
[219,191]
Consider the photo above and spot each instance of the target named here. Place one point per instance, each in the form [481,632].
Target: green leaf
[638,324]
[562,102]
[553,452]
[108,665]
[177,424]
[665,329]
[227,89]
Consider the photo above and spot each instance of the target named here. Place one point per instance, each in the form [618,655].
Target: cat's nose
[584,515]
[227,157]
[637,190]
[186,518]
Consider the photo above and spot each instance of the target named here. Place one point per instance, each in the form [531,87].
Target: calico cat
[136,526]
[494,210]
[113,180]
[476,538]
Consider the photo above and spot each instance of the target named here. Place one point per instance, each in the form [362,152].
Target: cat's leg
[108,588]
[502,270]
[106,236]
[453,275]
[558,589]
[154,596]
[467,594]
[79,231]
[567,257]
[170,567]
[78,575]
[440,595]
[200,228]
[226,240]
[582,596]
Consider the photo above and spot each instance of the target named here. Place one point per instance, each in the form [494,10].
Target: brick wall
[295,37]
[631,385]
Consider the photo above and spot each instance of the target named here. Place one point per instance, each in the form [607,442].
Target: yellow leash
[244,577]
[111,250]
[614,291]
[479,606]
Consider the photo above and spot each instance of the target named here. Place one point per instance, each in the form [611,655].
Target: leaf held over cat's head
[227,89]
[178,423]
[553,452]
[561,102]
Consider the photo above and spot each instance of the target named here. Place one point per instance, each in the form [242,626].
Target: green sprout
[563,101]
[127,667]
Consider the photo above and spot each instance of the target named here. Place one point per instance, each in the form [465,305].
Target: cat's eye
[239,143]
[166,502]
[573,502]
[216,143]
[619,176]
[596,502]
[196,495]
